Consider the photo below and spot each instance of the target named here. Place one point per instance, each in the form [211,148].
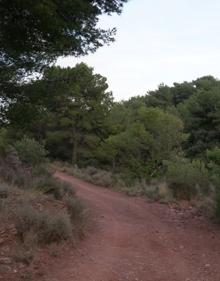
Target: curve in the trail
[135,240]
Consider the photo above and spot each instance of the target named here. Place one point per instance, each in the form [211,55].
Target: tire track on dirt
[135,240]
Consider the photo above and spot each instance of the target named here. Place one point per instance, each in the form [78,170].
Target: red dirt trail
[135,240]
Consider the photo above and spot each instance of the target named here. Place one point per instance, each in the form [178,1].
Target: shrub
[54,228]
[187,179]
[4,190]
[67,188]
[75,209]
[26,218]
[49,185]
[103,178]
[22,178]
[165,193]
[156,191]
[3,141]
[91,170]
[214,166]
[12,170]
[78,215]
[95,176]
[41,170]
[137,188]
[47,227]
[30,151]
[23,255]
[214,155]
[217,208]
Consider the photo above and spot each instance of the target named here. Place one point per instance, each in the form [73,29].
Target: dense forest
[42,110]
[164,145]
[170,134]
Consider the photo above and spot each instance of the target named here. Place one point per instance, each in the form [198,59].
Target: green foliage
[155,190]
[217,208]
[50,185]
[214,155]
[54,228]
[30,151]
[49,29]
[139,150]
[95,176]
[43,32]
[201,116]
[3,141]
[166,97]
[166,130]
[31,172]
[70,114]
[12,169]
[75,209]
[48,227]
[78,215]
[124,145]
[187,179]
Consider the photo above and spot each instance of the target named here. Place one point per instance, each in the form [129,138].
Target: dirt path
[139,241]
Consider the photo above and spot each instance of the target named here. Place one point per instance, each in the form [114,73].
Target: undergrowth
[182,180]
[42,209]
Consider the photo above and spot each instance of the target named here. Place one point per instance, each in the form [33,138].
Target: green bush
[187,179]
[49,185]
[103,178]
[75,209]
[67,188]
[78,215]
[214,174]
[217,208]
[12,170]
[95,176]
[136,188]
[47,227]
[25,219]
[30,151]
[3,141]
[54,228]
[214,155]
[41,170]
[154,190]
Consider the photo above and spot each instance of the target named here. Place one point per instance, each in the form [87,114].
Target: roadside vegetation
[164,142]
[164,145]
[36,209]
